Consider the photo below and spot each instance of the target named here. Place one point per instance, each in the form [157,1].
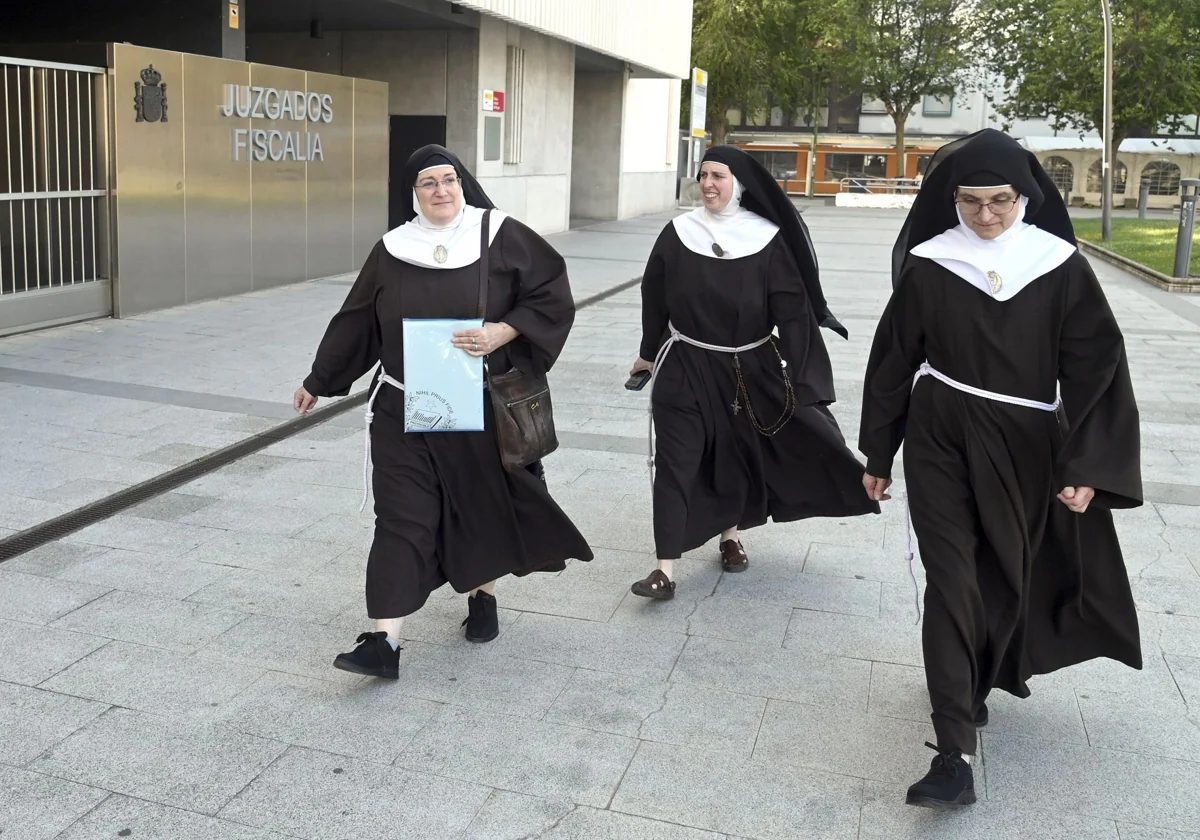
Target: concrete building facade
[591,94]
[565,111]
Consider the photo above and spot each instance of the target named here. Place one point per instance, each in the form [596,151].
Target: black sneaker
[373,657]
[948,784]
[481,622]
[981,717]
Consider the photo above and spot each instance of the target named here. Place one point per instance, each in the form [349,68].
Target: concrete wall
[601,146]
[537,190]
[428,73]
[597,145]
[194,26]
[291,49]
[650,146]
[414,64]
[656,35]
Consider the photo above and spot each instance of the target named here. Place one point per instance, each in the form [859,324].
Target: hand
[1077,498]
[876,487]
[641,365]
[303,401]
[487,339]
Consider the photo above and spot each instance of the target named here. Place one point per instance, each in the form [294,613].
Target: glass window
[839,166]
[1061,172]
[1164,177]
[938,106]
[873,106]
[1095,177]
[780,164]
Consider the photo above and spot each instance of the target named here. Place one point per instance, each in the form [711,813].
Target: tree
[912,48]
[1051,54]
[808,52]
[763,52]
[727,41]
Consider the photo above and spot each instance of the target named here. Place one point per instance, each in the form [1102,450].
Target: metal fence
[901,186]
[53,176]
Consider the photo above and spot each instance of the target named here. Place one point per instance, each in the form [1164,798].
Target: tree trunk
[719,132]
[901,156]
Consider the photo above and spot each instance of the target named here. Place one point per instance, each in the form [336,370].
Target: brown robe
[1017,584]
[446,510]
[714,470]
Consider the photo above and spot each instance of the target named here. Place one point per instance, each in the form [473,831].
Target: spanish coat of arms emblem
[150,98]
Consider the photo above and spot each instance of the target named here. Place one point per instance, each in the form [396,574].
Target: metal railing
[884,186]
[53,175]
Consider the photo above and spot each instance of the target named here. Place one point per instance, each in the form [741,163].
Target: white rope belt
[663,352]
[926,370]
[369,416]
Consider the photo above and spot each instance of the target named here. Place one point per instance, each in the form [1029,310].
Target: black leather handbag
[521,403]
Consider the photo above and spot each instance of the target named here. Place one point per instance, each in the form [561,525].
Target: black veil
[988,150]
[434,155]
[762,195]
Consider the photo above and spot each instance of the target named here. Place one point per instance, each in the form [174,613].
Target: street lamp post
[1107,129]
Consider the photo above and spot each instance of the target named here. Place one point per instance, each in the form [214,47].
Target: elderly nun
[447,510]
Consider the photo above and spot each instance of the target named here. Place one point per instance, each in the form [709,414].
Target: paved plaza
[167,672]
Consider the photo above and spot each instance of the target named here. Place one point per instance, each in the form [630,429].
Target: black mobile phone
[638,381]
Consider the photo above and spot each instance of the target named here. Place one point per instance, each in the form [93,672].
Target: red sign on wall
[493,100]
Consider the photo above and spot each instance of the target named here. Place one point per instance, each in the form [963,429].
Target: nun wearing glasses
[1000,366]
[731,314]
[446,508]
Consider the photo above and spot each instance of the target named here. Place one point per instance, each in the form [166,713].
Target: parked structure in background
[1075,165]
[856,149]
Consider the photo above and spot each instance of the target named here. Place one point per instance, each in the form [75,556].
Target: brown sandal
[733,556]
[656,585]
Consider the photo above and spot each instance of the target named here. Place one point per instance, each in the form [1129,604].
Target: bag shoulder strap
[484,246]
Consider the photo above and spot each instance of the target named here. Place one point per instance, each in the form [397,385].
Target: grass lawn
[1150,242]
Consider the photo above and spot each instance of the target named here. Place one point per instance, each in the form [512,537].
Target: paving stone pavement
[167,671]
[92,408]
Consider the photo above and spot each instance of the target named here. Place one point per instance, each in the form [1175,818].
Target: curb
[1156,278]
[101,509]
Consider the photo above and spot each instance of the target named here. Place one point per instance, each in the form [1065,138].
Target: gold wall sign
[266,103]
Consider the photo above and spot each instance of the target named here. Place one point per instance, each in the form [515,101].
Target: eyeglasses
[973,206]
[431,185]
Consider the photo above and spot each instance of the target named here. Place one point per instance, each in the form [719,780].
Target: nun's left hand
[484,340]
[1077,499]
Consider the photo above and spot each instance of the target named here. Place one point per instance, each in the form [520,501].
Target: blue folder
[443,386]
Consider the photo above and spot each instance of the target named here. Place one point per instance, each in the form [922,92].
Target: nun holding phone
[740,378]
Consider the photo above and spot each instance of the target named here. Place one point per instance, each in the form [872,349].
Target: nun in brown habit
[1000,366]
[446,508]
[744,430]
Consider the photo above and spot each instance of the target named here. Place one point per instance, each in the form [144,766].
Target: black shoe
[948,784]
[373,657]
[481,622]
[981,717]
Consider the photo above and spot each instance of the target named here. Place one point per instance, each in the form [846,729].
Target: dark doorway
[407,135]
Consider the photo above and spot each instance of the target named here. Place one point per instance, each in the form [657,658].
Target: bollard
[1187,225]
[1143,198]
